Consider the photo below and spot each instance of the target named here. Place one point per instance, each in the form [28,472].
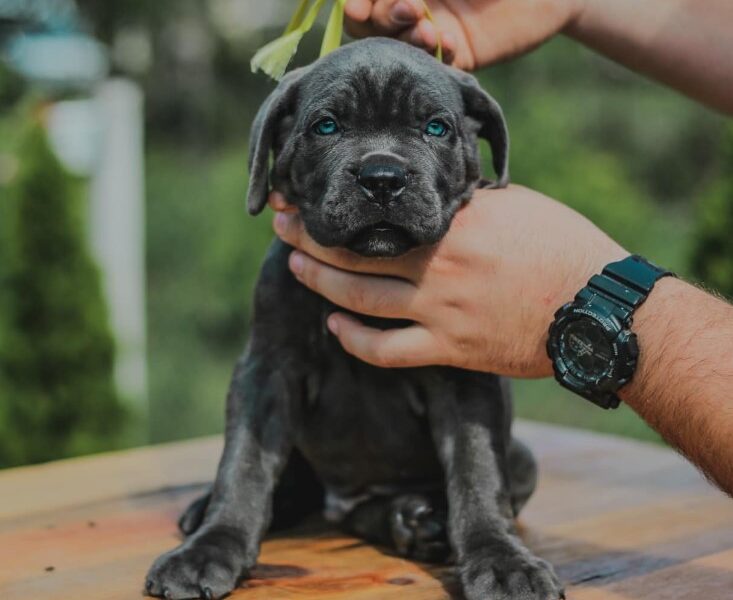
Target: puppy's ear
[265,134]
[487,113]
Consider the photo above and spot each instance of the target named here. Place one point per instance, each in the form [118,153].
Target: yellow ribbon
[273,58]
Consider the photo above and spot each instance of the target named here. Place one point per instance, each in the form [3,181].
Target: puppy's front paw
[419,529]
[206,566]
[509,575]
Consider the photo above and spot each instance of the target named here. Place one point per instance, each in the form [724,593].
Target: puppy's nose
[382,181]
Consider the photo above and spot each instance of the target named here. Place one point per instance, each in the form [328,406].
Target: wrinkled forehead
[385,87]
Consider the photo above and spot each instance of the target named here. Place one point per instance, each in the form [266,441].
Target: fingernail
[402,14]
[332,324]
[296,262]
[281,223]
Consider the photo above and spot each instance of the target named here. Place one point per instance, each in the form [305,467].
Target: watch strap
[637,272]
[627,282]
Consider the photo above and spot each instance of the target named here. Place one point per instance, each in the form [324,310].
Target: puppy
[377,145]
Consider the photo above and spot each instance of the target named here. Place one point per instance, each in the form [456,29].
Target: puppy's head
[377,145]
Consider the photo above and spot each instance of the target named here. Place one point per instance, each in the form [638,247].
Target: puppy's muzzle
[382,182]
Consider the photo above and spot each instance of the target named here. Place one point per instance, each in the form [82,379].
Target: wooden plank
[621,520]
[73,482]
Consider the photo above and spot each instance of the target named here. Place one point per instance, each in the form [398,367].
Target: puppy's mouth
[382,239]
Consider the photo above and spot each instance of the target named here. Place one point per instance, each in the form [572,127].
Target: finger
[397,17]
[290,229]
[425,35]
[392,16]
[457,50]
[412,36]
[359,29]
[448,41]
[278,203]
[411,346]
[365,294]
[387,17]
[358,10]
[426,32]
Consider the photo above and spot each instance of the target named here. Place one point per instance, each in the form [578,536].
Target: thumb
[382,17]
[393,16]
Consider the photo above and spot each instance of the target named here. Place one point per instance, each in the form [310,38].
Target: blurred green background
[650,167]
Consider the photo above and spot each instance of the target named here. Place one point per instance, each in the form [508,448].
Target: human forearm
[683,386]
[686,44]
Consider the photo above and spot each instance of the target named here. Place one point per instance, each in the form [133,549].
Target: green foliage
[544,400]
[56,355]
[12,87]
[204,253]
[712,258]
[559,147]
[665,142]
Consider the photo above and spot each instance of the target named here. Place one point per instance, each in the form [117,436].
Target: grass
[544,400]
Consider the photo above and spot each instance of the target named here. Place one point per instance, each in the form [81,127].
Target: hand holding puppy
[481,299]
[668,42]
[473,33]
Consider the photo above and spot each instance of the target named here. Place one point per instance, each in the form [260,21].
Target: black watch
[591,345]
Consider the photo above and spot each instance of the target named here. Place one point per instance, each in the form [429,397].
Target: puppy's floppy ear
[492,127]
[265,134]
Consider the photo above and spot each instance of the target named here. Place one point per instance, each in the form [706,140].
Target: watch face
[586,350]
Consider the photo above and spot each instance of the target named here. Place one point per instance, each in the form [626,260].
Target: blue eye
[436,128]
[326,127]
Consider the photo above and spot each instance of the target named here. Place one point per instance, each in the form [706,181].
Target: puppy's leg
[470,431]
[298,493]
[522,474]
[414,525]
[257,442]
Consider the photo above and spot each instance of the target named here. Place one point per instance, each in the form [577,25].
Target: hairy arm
[686,44]
[683,386]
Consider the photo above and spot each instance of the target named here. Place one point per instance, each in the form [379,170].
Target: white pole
[117,230]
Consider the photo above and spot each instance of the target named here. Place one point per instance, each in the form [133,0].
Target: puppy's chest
[342,388]
[364,426]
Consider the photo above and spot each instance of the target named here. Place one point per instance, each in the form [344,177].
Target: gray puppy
[377,145]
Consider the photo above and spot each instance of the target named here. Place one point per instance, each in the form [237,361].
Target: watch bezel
[600,389]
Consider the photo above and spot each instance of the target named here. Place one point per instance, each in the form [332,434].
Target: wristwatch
[591,345]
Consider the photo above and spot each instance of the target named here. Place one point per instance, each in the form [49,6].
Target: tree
[712,256]
[56,355]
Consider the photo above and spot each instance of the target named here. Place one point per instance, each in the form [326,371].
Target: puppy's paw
[206,566]
[418,529]
[510,575]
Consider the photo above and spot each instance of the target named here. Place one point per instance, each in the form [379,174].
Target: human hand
[473,33]
[482,298]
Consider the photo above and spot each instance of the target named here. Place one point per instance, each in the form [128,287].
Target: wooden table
[618,518]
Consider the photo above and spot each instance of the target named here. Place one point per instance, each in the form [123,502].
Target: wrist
[591,341]
[605,251]
[657,339]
